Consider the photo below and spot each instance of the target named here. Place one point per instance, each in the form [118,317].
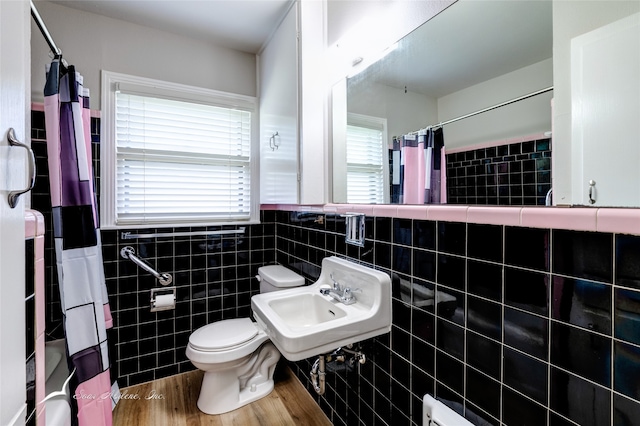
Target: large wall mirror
[471,56]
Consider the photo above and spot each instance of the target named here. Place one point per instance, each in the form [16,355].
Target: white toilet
[238,359]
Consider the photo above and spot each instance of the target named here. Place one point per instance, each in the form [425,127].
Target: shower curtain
[83,294]
[418,174]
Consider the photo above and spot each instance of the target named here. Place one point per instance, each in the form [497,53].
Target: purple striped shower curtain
[418,175]
[83,293]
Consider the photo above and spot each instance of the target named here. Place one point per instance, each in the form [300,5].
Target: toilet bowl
[237,358]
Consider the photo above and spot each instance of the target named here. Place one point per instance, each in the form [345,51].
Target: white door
[605,91]
[279,115]
[14,86]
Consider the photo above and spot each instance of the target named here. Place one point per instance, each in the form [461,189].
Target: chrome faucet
[340,293]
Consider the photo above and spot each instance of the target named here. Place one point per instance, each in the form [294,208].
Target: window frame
[112,82]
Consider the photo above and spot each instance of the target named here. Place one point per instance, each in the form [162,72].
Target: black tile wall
[214,278]
[627,314]
[510,340]
[583,255]
[628,260]
[515,175]
[483,319]
[525,374]
[484,354]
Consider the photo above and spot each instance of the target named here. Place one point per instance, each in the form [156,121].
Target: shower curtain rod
[521,98]
[43,29]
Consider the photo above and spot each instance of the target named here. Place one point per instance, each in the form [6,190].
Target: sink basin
[305,310]
[302,322]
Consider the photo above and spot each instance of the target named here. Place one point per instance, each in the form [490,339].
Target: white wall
[411,111]
[92,42]
[405,112]
[520,119]
[344,14]
[570,19]
[365,28]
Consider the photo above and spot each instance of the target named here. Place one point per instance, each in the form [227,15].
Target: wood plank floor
[288,404]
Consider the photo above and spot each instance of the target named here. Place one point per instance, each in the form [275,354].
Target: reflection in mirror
[472,56]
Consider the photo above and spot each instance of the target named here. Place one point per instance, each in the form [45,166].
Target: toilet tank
[277,277]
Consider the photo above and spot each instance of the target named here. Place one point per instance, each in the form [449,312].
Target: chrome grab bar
[129,253]
[14,195]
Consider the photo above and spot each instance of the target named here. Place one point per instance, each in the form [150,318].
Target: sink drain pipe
[318,375]
[318,370]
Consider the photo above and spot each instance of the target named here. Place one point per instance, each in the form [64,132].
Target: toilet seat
[226,341]
[223,335]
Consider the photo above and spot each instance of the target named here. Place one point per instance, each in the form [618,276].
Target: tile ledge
[615,220]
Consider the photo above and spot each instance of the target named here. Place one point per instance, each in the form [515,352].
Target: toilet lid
[223,334]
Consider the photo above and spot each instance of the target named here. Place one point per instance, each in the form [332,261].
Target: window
[175,155]
[367,160]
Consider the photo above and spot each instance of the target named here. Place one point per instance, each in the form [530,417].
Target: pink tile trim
[307,208]
[34,229]
[39,106]
[366,209]
[343,208]
[40,296]
[412,212]
[40,379]
[526,138]
[329,208]
[39,246]
[448,213]
[623,221]
[33,223]
[494,215]
[385,210]
[30,224]
[269,207]
[300,207]
[575,219]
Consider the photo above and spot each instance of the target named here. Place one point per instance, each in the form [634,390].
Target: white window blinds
[180,162]
[365,165]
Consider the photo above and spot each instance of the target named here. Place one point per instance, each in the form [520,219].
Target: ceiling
[466,44]
[243,25]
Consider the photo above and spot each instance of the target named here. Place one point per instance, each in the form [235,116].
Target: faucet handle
[347,295]
[336,284]
[348,292]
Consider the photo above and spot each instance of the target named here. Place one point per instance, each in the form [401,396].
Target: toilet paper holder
[163,299]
